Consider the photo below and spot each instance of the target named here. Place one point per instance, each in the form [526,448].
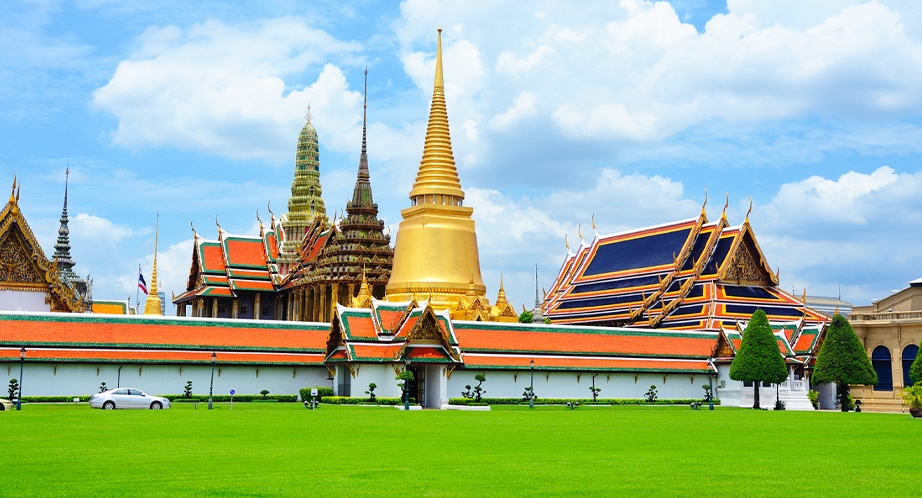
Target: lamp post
[22,359]
[406,385]
[214,357]
[531,387]
[711,388]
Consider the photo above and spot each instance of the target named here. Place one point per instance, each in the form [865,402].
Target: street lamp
[22,359]
[214,357]
[406,385]
[711,388]
[531,387]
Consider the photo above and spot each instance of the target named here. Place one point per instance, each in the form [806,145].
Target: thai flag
[141,283]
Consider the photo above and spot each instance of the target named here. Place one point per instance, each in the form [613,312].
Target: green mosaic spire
[305,204]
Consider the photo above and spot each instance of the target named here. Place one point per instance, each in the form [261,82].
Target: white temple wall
[15,300]
[381,374]
[64,379]
[512,384]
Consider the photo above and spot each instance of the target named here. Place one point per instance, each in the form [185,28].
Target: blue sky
[625,111]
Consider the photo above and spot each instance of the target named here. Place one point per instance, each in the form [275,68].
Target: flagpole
[137,294]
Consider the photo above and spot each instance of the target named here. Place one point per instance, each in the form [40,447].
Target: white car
[5,405]
[126,398]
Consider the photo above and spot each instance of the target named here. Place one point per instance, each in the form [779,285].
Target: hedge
[223,398]
[53,399]
[349,400]
[563,401]
[305,392]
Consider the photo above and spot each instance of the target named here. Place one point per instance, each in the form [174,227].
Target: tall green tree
[842,360]
[915,371]
[759,359]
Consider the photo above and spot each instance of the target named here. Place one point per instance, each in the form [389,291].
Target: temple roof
[689,274]
[25,267]
[101,338]
[415,332]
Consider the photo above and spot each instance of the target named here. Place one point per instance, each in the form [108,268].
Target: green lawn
[283,449]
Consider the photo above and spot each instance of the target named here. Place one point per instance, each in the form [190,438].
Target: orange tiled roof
[147,356]
[584,363]
[46,329]
[513,337]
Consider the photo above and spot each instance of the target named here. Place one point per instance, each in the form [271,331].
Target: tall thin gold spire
[152,305]
[437,181]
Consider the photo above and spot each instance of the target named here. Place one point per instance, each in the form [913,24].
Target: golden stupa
[435,255]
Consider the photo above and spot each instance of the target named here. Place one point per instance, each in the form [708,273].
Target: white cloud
[637,73]
[93,228]
[858,231]
[231,91]
[827,200]
[523,107]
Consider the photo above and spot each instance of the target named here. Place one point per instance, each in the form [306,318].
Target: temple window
[909,356]
[880,358]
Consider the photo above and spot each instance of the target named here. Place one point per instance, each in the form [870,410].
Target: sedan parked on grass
[5,405]
[126,398]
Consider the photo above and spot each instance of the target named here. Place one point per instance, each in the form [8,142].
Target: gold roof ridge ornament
[746,222]
[723,214]
[703,212]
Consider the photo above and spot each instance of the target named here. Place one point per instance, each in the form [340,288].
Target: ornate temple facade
[435,255]
[691,274]
[303,265]
[28,280]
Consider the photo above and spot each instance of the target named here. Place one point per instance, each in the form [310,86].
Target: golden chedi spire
[152,305]
[436,249]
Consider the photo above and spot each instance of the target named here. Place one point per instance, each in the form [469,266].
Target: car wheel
[2,407]
[108,405]
[156,405]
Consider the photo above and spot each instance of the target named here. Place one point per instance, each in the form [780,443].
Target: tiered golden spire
[437,174]
[152,305]
[435,253]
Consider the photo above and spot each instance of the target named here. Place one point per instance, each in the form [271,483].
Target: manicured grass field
[283,449]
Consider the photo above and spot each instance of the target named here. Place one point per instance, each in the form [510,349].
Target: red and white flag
[141,283]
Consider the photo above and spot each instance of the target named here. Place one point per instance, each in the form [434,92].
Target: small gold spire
[579,231]
[308,115]
[566,242]
[152,305]
[723,214]
[747,212]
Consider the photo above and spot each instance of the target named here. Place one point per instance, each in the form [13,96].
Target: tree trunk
[755,403]
[843,397]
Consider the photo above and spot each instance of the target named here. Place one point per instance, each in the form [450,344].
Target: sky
[624,113]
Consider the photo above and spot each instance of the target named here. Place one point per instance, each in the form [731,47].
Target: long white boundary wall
[64,379]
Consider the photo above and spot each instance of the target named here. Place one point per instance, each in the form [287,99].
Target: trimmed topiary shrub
[758,359]
[915,371]
[843,361]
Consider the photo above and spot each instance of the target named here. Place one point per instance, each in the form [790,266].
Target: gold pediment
[745,264]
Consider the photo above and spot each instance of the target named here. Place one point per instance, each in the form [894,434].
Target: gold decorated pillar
[256,307]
